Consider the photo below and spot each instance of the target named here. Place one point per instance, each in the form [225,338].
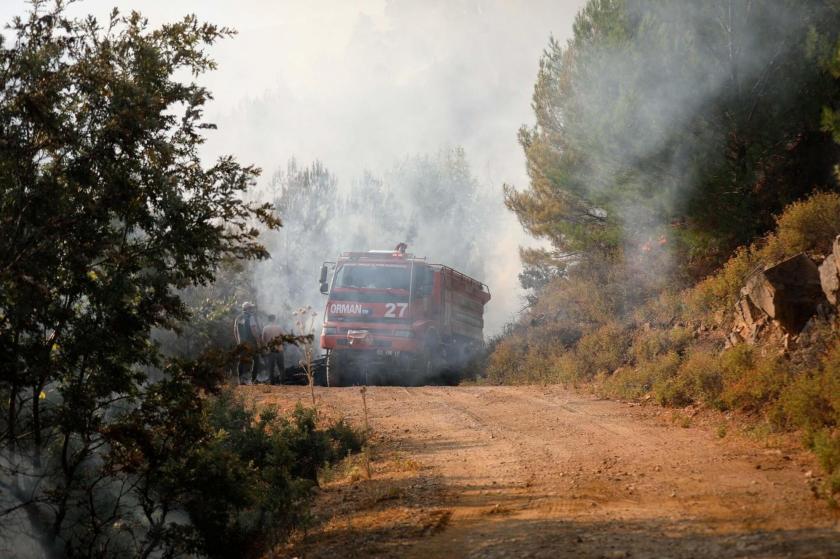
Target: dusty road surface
[544,472]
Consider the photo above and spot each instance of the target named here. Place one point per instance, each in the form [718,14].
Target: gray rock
[830,278]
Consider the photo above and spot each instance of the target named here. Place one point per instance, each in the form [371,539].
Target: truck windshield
[372,277]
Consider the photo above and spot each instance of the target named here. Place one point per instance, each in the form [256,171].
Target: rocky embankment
[783,303]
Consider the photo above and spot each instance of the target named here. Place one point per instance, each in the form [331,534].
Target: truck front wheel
[336,368]
[342,370]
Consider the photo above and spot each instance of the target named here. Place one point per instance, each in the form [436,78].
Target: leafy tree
[107,211]
[307,197]
[431,201]
[212,310]
[440,208]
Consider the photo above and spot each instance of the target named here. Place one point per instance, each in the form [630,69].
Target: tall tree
[692,122]
[106,210]
[440,206]
[308,198]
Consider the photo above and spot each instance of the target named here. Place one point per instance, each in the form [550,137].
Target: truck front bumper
[380,344]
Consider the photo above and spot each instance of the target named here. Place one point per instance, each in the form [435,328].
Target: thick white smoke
[363,85]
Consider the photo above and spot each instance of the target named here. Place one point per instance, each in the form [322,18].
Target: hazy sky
[360,84]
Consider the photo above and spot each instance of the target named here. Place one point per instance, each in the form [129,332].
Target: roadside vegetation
[119,263]
[662,179]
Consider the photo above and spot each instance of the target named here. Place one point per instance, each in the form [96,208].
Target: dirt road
[543,472]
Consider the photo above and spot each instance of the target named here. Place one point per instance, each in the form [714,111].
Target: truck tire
[450,377]
[430,361]
[342,370]
[333,369]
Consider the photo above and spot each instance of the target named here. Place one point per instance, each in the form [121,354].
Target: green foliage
[261,466]
[212,310]
[114,227]
[649,124]
[241,476]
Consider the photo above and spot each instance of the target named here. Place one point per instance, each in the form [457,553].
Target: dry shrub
[537,366]
[661,310]
[812,401]
[579,302]
[752,381]
[567,369]
[699,378]
[809,225]
[505,361]
[722,289]
[679,339]
[649,344]
[826,446]
[634,382]
[603,350]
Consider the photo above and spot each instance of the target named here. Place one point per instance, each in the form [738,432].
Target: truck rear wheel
[430,361]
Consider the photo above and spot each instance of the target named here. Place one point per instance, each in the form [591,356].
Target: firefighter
[247,332]
[272,340]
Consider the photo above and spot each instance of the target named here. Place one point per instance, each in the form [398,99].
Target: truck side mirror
[325,287]
[323,277]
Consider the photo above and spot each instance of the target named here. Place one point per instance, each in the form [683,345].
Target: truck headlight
[329,331]
[403,333]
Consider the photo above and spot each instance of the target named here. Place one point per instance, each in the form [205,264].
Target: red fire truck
[393,318]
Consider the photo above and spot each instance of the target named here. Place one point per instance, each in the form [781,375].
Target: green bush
[250,486]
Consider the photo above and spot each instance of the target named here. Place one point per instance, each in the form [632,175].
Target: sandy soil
[544,472]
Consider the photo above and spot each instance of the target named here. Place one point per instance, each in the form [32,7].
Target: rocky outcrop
[750,322]
[830,274]
[779,301]
[789,292]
